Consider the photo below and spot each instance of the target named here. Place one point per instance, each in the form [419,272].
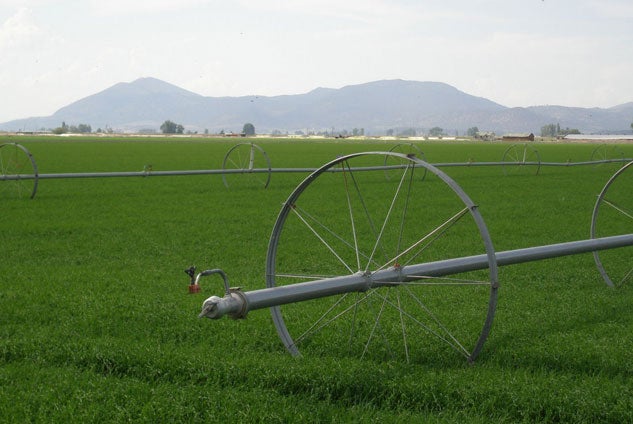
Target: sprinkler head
[191,272]
[194,287]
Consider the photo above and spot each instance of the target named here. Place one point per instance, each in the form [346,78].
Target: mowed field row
[96,323]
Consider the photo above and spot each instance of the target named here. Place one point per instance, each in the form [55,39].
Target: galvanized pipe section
[274,296]
[281,295]
[282,170]
[512,257]
[467,164]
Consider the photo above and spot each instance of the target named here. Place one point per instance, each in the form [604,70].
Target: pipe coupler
[232,304]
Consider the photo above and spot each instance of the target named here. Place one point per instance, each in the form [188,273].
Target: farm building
[485,135]
[519,137]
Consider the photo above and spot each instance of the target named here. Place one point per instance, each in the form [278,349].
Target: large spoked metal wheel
[346,218]
[407,149]
[613,215]
[18,171]
[608,155]
[521,159]
[249,159]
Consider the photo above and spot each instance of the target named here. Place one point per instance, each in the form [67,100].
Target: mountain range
[375,107]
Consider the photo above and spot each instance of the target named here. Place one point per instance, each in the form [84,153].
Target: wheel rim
[19,171]
[342,220]
[613,215]
[407,149]
[521,159]
[604,153]
[249,159]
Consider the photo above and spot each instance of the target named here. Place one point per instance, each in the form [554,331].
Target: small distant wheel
[347,219]
[521,159]
[613,215]
[608,155]
[246,165]
[18,171]
[407,149]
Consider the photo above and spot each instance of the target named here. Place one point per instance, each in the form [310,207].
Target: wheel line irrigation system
[17,164]
[373,282]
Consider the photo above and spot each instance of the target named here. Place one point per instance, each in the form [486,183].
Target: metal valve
[194,280]
[194,287]
[232,304]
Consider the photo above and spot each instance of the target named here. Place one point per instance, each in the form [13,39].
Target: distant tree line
[248,129]
[412,132]
[72,129]
[169,127]
[554,130]
[472,132]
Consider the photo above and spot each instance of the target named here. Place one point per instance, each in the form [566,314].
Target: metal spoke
[361,198]
[238,164]
[430,237]
[318,321]
[328,230]
[451,340]
[352,221]
[387,217]
[352,332]
[626,277]
[439,231]
[403,326]
[457,343]
[251,160]
[325,243]
[618,208]
[314,328]
[405,210]
[377,325]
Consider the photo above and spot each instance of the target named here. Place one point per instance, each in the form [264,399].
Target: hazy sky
[514,52]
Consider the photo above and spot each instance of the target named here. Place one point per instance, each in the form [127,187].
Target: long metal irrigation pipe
[281,170]
[237,303]
[594,162]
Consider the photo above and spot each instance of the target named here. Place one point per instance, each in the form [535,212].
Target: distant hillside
[375,106]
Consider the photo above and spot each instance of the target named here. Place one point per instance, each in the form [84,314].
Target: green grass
[96,324]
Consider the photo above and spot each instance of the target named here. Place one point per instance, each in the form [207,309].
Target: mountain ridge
[376,107]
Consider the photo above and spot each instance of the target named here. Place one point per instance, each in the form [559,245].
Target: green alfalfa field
[96,323]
